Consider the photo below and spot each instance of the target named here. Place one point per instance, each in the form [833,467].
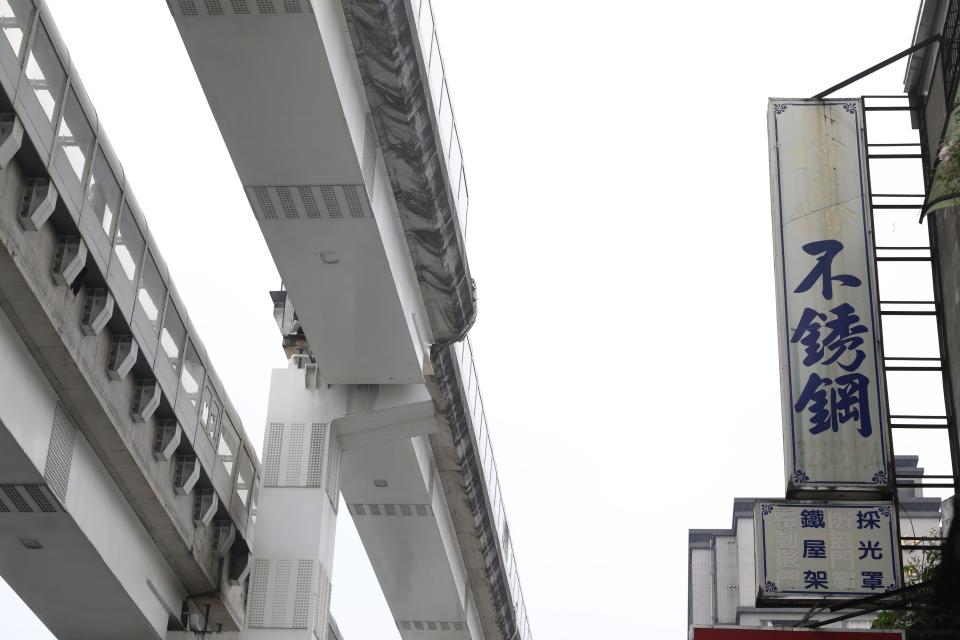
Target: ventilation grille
[294,454]
[397,510]
[301,599]
[271,455]
[310,202]
[283,592]
[60,454]
[322,616]
[27,498]
[190,8]
[16,498]
[187,7]
[318,445]
[257,604]
[430,625]
[368,165]
[354,203]
[290,460]
[330,201]
[39,498]
[267,210]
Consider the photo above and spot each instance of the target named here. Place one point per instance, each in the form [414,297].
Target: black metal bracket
[878,66]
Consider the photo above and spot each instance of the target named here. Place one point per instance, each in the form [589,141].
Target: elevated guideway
[338,118]
[127,482]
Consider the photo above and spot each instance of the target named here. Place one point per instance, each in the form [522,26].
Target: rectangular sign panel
[747,633]
[834,403]
[814,550]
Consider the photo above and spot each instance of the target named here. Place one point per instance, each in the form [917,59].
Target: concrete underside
[66,583]
[292,116]
[96,573]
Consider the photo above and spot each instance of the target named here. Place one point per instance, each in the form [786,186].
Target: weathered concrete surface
[47,318]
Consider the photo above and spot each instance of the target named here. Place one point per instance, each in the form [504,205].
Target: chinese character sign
[835,427]
[812,550]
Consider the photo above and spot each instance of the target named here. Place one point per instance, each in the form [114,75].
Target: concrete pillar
[289,593]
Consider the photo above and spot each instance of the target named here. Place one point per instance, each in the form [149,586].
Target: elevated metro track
[338,119]
[127,482]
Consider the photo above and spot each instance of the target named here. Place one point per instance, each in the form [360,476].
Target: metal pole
[878,66]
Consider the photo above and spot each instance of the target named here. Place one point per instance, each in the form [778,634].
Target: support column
[289,596]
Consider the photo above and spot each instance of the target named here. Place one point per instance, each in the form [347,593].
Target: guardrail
[422,11]
[491,479]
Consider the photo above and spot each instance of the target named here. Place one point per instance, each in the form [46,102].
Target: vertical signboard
[834,403]
[810,551]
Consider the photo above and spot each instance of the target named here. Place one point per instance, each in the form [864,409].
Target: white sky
[620,236]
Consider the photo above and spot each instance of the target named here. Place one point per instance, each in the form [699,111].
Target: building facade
[931,83]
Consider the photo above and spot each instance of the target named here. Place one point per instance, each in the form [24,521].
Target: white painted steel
[289,592]
[287,94]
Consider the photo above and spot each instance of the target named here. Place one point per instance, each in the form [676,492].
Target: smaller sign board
[748,633]
[810,551]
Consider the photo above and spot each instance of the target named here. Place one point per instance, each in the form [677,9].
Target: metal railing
[896,206]
[491,479]
[422,12]
[950,49]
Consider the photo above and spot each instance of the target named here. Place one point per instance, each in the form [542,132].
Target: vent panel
[217,8]
[15,498]
[329,195]
[257,605]
[60,454]
[309,202]
[27,498]
[281,593]
[294,455]
[318,445]
[287,204]
[322,619]
[267,210]
[430,625]
[369,161]
[301,602]
[271,454]
[390,510]
[36,494]
[353,202]
[188,8]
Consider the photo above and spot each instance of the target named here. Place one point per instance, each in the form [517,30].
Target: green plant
[920,568]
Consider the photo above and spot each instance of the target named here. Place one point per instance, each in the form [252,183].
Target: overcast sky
[620,237]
